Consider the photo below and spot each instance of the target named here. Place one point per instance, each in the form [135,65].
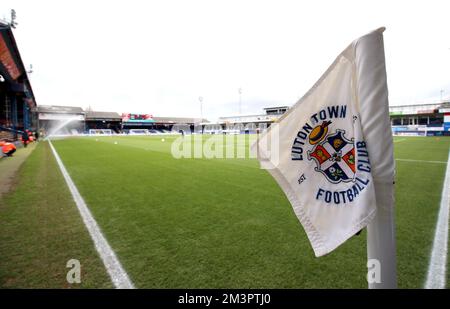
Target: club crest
[322,144]
[333,153]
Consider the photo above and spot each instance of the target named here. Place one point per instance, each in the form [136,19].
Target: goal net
[138,132]
[100,132]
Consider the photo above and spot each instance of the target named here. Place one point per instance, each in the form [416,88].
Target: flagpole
[372,95]
[381,244]
[364,87]
[257,143]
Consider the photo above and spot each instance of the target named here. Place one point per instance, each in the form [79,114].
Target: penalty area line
[436,277]
[112,264]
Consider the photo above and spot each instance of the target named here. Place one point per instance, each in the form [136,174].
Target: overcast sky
[159,57]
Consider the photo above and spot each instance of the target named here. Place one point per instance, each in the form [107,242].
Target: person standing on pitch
[25,138]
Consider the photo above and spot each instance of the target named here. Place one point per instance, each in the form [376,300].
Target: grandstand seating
[6,135]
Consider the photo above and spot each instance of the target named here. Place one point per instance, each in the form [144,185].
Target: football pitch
[195,223]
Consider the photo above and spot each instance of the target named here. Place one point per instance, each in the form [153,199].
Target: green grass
[40,230]
[418,195]
[225,223]
[195,223]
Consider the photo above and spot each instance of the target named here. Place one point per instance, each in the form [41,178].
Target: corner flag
[332,153]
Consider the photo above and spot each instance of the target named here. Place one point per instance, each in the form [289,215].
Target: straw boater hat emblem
[319,133]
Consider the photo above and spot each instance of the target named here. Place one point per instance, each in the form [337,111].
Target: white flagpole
[381,244]
[257,143]
[373,98]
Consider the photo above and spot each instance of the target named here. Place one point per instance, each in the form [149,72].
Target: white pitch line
[399,140]
[436,278]
[112,264]
[421,161]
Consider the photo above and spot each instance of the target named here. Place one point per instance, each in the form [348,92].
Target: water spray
[54,130]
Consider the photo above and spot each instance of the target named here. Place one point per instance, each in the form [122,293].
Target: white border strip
[436,278]
[115,270]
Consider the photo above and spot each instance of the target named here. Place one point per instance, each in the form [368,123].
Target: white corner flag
[332,154]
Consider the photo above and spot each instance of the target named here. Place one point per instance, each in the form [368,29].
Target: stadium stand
[431,119]
[67,120]
[418,119]
[17,102]
[70,120]
[246,123]
[158,124]
[271,115]
[6,135]
[103,120]
[170,124]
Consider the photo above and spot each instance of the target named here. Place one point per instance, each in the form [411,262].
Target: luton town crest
[333,153]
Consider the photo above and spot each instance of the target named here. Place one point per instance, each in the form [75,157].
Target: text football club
[342,161]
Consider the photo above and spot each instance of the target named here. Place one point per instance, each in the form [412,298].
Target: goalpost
[139,132]
[100,132]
